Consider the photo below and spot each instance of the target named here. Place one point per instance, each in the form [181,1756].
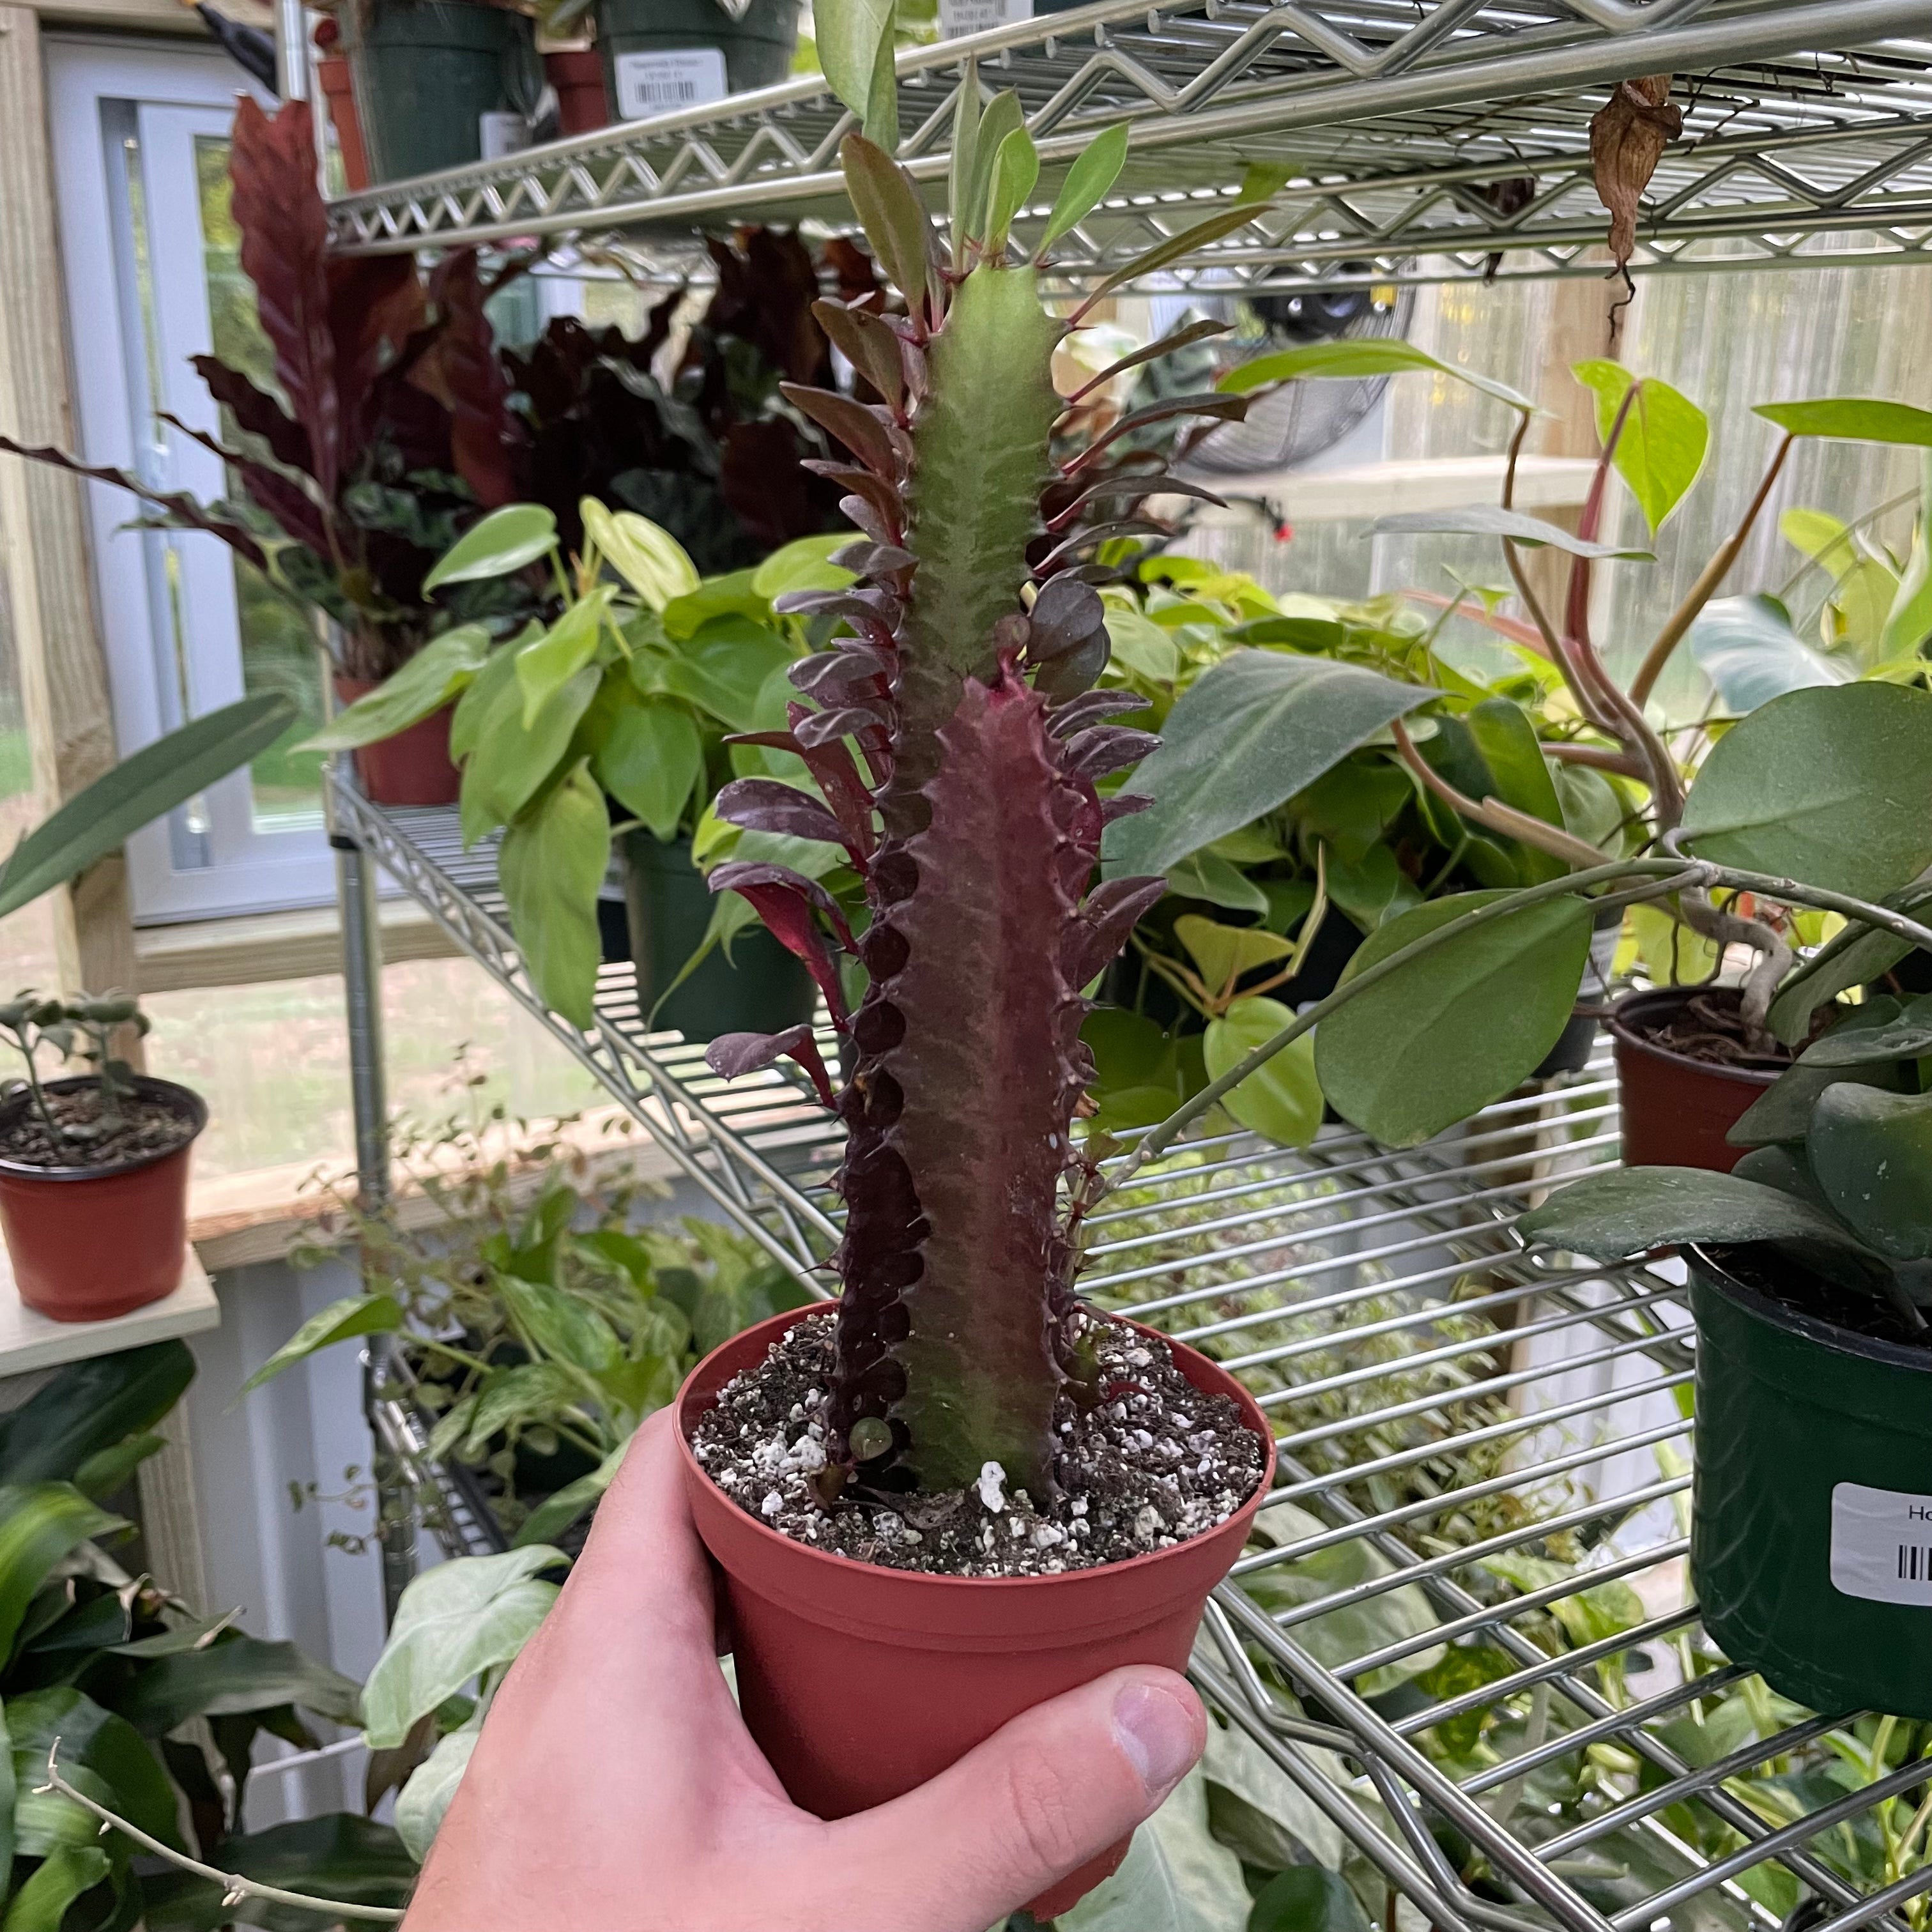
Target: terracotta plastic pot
[859,1682]
[88,1243]
[582,106]
[413,768]
[1676,1111]
[338,91]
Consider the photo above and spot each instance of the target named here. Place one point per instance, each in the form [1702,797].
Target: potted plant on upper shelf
[94,1167]
[1811,1268]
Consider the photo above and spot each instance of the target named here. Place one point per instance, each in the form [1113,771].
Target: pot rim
[148,1085]
[1636,1043]
[826,1561]
[1810,1328]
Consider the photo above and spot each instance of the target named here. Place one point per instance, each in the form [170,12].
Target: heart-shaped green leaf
[1282,1099]
[1224,953]
[1663,441]
[1871,1152]
[503,541]
[1746,646]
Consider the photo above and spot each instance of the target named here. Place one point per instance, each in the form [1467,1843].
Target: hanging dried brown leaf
[1628,135]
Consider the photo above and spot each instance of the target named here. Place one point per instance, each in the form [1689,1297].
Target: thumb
[1039,1797]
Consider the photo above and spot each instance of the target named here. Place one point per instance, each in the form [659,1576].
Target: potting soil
[138,1129]
[1155,1461]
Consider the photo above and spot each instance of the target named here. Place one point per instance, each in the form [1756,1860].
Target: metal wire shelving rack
[1472,1654]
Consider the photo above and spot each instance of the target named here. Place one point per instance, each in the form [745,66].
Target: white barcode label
[654,83]
[499,133]
[975,17]
[1882,1544]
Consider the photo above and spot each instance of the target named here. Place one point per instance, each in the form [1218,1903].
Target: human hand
[615,1788]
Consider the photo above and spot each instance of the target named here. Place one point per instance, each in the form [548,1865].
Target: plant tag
[499,133]
[654,83]
[976,17]
[1882,1544]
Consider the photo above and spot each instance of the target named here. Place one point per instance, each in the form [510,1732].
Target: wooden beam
[253,948]
[43,519]
[173,17]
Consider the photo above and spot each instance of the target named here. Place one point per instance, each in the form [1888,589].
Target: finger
[1038,1798]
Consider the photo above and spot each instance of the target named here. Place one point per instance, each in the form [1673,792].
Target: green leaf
[854,42]
[1782,1113]
[1628,1210]
[338,1855]
[561,1507]
[1282,1099]
[552,862]
[804,564]
[1189,241]
[1003,114]
[1488,520]
[511,762]
[39,1523]
[103,815]
[647,557]
[723,667]
[1746,646]
[1305,1898]
[1096,170]
[1015,169]
[1356,359]
[41,1903]
[432,679]
[129,1774]
[1871,1152]
[531,1392]
[1175,1878]
[1460,1027]
[547,663]
[960,210]
[559,1326]
[454,1622]
[472,708]
[1206,875]
[503,541]
[234,1676]
[1832,787]
[1905,1035]
[1509,746]
[1245,737]
[1142,646]
[353,1314]
[1908,621]
[1856,957]
[889,210]
[90,1406]
[1664,442]
[1853,419]
[650,760]
[423,1801]
[1224,952]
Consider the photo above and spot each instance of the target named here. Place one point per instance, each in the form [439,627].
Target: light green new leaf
[103,815]
[1628,1210]
[1249,734]
[1832,787]
[1282,1099]
[561,1507]
[1095,171]
[353,1314]
[1015,169]
[1357,359]
[854,41]
[1871,1152]
[1224,952]
[1508,743]
[39,1523]
[1487,520]
[551,864]
[432,679]
[960,210]
[422,1803]
[510,762]
[723,667]
[973,173]
[1206,875]
[454,1622]
[650,760]
[547,663]
[1853,419]
[559,1326]
[1460,1027]
[804,564]
[41,1903]
[646,556]
[505,541]
[1663,441]
[1189,241]
[1746,646]
[1142,646]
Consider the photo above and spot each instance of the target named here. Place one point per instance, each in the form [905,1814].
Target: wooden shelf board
[256,947]
[29,1340]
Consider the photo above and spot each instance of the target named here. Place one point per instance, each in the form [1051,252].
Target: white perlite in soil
[1156,1461]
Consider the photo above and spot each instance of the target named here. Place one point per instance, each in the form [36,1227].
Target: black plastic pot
[1811,1526]
[1571,1053]
[760,988]
[662,55]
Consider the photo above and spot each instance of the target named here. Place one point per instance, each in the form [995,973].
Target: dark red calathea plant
[957,743]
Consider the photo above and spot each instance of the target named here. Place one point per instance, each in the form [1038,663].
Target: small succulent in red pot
[93,1167]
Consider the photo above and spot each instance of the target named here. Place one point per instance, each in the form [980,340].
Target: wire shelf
[1471,1649]
[1392,122]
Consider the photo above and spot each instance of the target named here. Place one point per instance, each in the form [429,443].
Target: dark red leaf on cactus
[768,805]
[853,661]
[732,1054]
[284,225]
[1157,485]
[1224,409]
[872,559]
[1065,614]
[1091,706]
[855,425]
[1065,677]
[831,764]
[1111,912]
[256,411]
[1103,748]
[866,514]
[784,900]
[1068,547]
[1123,805]
[869,344]
[883,495]
[1194,332]
[826,728]
[463,372]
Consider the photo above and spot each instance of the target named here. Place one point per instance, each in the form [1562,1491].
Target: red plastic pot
[88,1243]
[944,1661]
[1676,1111]
[332,74]
[582,106]
[413,768]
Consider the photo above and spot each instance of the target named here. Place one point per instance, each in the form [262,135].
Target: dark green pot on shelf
[662,55]
[1811,1527]
[760,988]
[424,72]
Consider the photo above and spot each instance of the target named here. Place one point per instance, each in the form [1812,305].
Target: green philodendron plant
[1837,1181]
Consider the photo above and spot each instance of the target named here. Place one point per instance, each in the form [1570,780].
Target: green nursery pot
[1811,1529]
[424,73]
[662,55]
[760,988]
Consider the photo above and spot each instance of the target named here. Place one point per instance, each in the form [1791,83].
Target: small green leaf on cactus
[1087,181]
[1015,169]
[890,212]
